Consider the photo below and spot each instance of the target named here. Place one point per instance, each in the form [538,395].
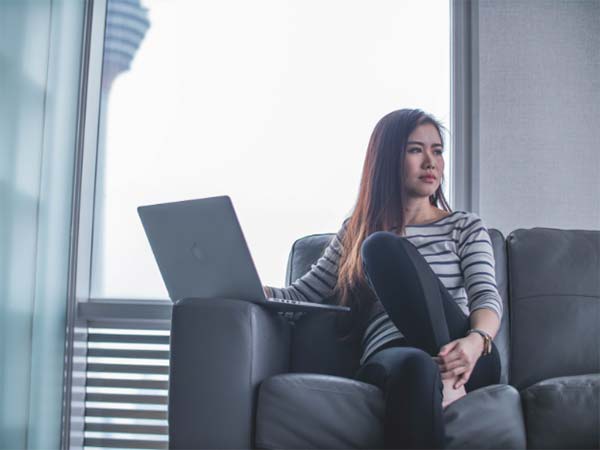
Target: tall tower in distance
[126,26]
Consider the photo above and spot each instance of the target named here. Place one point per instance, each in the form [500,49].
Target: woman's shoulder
[454,218]
[464,222]
[341,231]
[344,226]
[467,217]
[471,224]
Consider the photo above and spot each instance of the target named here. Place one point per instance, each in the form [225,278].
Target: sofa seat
[329,412]
[488,417]
[563,412]
[302,411]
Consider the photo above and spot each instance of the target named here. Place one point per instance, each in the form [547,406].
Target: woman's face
[424,156]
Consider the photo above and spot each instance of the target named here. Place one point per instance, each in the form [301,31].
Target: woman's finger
[451,365]
[446,375]
[454,372]
[447,348]
[451,357]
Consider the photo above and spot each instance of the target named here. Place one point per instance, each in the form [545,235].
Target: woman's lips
[427,179]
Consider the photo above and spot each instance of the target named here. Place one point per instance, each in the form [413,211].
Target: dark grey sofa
[243,376]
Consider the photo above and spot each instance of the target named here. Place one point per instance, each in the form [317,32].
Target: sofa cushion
[488,417]
[554,304]
[318,411]
[563,412]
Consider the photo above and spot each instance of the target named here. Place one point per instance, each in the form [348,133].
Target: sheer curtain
[40,47]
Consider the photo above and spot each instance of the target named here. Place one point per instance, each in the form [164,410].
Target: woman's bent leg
[412,388]
[408,290]
[417,301]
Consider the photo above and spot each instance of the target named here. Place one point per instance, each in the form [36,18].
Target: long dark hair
[379,207]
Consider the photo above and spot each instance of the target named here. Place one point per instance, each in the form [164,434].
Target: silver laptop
[202,253]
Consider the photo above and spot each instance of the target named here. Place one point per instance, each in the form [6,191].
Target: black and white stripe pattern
[458,249]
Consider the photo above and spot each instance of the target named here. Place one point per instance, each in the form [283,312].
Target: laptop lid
[200,250]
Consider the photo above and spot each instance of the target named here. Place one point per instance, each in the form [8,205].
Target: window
[270,102]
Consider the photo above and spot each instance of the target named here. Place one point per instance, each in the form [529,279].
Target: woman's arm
[458,358]
[486,320]
[478,267]
[318,283]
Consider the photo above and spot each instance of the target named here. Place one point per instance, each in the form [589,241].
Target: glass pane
[270,102]
[40,62]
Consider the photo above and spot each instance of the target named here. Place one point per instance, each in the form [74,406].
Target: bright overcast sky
[269,102]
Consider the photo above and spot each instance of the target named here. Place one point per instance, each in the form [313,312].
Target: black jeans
[426,314]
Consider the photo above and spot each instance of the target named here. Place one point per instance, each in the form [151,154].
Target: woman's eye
[417,149]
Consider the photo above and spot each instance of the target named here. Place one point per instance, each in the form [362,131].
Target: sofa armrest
[221,350]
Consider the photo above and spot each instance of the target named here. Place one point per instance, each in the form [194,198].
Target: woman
[420,280]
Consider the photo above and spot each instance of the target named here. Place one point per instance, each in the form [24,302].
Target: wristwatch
[487,340]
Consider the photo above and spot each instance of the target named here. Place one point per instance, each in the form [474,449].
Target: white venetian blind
[126,387]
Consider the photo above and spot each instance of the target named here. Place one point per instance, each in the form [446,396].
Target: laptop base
[281,304]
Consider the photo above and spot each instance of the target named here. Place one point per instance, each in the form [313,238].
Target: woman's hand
[458,358]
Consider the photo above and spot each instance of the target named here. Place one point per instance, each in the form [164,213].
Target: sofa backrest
[315,348]
[554,281]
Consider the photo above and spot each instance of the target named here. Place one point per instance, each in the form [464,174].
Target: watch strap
[487,340]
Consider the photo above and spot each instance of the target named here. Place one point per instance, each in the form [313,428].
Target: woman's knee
[377,246]
[382,250]
[376,242]
[406,362]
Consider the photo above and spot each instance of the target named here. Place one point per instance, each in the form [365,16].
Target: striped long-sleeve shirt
[457,247]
